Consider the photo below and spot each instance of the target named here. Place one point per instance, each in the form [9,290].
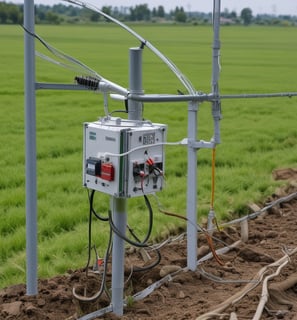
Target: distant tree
[59,8]
[228,15]
[3,12]
[41,15]
[233,15]
[14,14]
[107,9]
[140,13]
[180,15]
[225,13]
[247,16]
[95,17]
[161,12]
[10,13]
[59,13]
[52,18]
[158,12]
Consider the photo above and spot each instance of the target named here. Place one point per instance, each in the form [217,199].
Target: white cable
[221,280]
[107,154]
[64,56]
[97,313]
[74,67]
[184,80]
[169,240]
[265,294]
[257,213]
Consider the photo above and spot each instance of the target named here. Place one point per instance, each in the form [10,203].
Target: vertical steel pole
[119,213]
[216,105]
[30,133]
[135,108]
[119,205]
[192,188]
[192,135]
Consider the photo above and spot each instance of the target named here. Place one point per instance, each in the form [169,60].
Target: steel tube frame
[206,97]
[30,133]
[135,98]
[216,103]
[192,187]
[119,214]
[119,205]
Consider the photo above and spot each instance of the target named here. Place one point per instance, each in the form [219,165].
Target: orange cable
[208,237]
[212,249]
[213,167]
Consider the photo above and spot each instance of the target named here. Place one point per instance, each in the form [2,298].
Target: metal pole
[119,205]
[192,151]
[119,212]
[192,187]
[30,133]
[216,104]
[135,108]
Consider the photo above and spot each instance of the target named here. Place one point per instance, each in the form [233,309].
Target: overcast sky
[258,6]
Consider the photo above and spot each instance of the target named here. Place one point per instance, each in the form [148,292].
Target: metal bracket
[200,144]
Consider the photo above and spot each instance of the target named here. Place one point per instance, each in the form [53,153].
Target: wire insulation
[184,80]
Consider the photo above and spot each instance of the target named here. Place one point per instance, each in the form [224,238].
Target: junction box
[124,158]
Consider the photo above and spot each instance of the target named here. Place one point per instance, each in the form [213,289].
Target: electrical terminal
[87,81]
[147,172]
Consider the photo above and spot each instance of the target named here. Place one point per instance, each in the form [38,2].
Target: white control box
[124,158]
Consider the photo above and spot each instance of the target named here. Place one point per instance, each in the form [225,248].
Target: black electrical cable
[106,257]
[141,244]
[139,269]
[114,229]
[117,111]
[133,233]
[103,281]
[89,240]
[151,218]
[151,266]
[91,211]
[76,63]
[91,200]
[117,232]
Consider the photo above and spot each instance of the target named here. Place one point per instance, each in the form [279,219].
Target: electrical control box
[124,158]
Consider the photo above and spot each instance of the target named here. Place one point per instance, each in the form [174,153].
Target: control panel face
[123,158]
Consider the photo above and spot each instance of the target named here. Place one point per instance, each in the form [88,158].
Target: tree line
[59,13]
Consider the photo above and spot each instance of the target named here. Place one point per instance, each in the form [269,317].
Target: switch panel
[124,158]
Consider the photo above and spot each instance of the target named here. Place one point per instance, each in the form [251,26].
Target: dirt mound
[285,174]
[230,286]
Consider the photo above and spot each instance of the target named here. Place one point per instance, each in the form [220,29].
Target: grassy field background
[258,135]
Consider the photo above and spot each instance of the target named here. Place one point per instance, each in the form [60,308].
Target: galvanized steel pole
[119,205]
[216,104]
[30,133]
[192,187]
[119,214]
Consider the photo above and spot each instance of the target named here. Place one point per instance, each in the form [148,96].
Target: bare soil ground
[230,286]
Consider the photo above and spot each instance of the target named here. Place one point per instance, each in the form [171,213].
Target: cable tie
[143,43]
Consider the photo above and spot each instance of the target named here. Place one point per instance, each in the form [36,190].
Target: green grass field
[258,135]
